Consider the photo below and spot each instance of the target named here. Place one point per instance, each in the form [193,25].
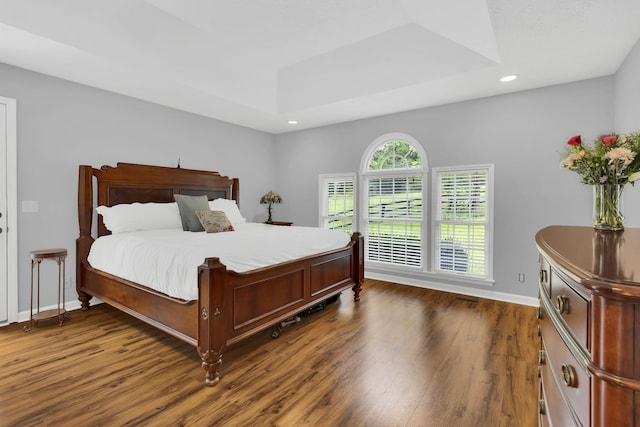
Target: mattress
[167,260]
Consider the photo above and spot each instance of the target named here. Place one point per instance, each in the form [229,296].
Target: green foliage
[395,155]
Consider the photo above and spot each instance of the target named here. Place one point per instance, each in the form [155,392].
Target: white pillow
[230,208]
[140,216]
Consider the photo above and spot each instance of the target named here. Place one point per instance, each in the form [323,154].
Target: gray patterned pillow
[188,205]
[214,221]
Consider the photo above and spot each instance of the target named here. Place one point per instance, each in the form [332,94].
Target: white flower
[620,153]
[572,158]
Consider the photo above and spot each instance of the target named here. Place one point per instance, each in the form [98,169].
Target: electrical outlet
[30,206]
[521,277]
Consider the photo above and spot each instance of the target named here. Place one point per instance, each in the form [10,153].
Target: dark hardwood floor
[402,356]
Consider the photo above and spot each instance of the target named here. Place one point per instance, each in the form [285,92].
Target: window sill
[378,269]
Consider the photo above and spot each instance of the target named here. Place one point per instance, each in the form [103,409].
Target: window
[462,230]
[450,239]
[337,205]
[393,175]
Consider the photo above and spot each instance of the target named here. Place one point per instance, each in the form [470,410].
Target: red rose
[575,141]
[609,140]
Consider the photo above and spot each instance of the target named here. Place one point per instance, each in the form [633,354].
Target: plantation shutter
[462,222]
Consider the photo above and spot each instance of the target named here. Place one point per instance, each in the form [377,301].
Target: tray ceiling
[260,63]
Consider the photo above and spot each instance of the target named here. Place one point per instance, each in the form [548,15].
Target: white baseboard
[23,316]
[480,293]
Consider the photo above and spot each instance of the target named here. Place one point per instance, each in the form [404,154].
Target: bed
[230,305]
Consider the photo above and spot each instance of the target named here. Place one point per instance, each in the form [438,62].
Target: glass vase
[607,207]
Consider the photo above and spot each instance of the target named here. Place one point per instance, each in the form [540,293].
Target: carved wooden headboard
[129,183]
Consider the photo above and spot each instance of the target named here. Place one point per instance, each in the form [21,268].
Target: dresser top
[609,259]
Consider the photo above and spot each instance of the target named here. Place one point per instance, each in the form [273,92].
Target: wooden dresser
[589,290]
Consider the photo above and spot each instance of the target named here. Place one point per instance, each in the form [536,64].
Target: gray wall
[62,125]
[523,134]
[627,90]
[627,119]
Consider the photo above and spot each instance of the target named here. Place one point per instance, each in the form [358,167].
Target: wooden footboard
[230,306]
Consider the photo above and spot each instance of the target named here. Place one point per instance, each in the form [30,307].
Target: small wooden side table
[282,223]
[58,255]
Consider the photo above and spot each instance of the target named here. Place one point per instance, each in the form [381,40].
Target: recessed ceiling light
[292,122]
[508,78]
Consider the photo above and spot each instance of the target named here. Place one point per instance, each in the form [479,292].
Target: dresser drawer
[572,307]
[554,412]
[563,379]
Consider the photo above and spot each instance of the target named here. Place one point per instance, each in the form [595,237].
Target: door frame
[12,207]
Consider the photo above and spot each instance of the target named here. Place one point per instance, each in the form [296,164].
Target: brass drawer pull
[541,358]
[569,376]
[541,407]
[543,276]
[562,304]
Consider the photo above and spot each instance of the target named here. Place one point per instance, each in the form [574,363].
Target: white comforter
[168,260]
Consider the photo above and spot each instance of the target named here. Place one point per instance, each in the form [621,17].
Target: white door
[8,212]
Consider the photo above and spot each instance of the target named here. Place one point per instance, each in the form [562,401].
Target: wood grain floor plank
[402,356]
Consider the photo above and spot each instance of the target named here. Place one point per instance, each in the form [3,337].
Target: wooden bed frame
[230,306]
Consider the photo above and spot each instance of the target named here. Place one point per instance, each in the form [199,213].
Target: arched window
[440,230]
[393,170]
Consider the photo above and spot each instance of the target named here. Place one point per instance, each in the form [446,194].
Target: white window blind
[338,201]
[395,220]
[463,220]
